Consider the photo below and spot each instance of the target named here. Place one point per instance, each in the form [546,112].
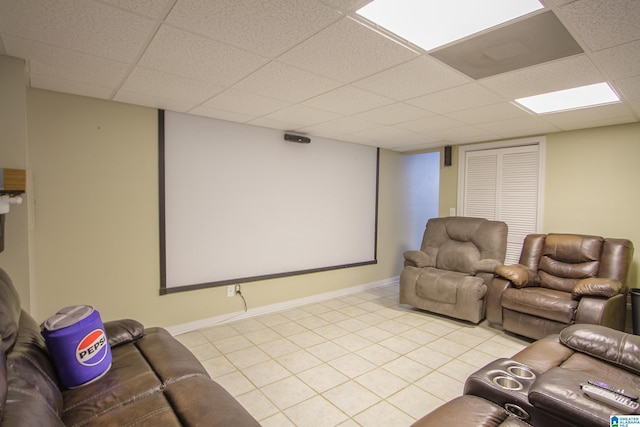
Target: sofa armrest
[486,265]
[419,259]
[544,354]
[123,331]
[612,346]
[597,287]
[520,275]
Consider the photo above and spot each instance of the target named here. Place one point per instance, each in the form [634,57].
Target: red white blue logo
[92,348]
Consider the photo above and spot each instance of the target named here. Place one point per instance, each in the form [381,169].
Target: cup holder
[507,382]
[521,372]
[516,410]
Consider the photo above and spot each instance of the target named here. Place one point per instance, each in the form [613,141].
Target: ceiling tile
[280,81]
[420,76]
[185,54]
[59,63]
[152,82]
[298,116]
[89,26]
[329,54]
[430,124]
[273,124]
[340,126]
[563,74]
[304,64]
[635,105]
[605,115]
[394,113]
[621,61]
[461,135]
[550,3]
[524,126]
[264,27]
[348,100]
[154,9]
[602,24]
[629,88]
[57,84]
[345,5]
[241,102]
[390,136]
[420,147]
[455,99]
[214,113]
[488,113]
[152,100]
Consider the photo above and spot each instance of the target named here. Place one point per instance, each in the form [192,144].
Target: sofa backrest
[29,388]
[458,243]
[563,259]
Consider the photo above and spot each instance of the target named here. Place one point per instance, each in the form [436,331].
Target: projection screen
[238,203]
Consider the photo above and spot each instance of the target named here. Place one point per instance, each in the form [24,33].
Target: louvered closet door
[503,184]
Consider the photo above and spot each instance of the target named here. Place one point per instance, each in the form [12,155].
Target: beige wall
[13,154]
[591,185]
[95,169]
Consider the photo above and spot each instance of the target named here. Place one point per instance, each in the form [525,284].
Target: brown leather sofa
[561,279]
[456,261]
[551,394]
[153,380]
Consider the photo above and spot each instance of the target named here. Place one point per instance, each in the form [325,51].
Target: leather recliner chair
[456,261]
[561,279]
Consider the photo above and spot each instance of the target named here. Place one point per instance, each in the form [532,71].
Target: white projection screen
[238,203]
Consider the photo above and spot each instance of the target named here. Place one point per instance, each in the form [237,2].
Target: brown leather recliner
[561,279]
[450,272]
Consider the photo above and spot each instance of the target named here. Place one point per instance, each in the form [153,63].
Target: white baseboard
[285,305]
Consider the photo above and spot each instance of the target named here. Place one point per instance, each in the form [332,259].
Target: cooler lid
[67,316]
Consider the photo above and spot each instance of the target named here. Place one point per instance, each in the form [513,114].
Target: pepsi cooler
[78,345]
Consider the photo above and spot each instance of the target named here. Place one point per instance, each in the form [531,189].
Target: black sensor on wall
[297,138]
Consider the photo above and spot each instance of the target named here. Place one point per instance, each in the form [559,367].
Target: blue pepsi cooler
[78,345]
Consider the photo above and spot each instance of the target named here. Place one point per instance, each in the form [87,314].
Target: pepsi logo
[92,349]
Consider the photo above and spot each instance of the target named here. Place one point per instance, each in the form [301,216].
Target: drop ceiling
[315,67]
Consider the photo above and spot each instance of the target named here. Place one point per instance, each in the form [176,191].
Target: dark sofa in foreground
[540,385]
[153,380]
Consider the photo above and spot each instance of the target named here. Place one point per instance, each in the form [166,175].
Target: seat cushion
[157,380]
[541,302]
[442,285]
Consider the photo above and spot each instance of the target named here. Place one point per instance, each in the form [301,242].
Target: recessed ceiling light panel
[570,99]
[430,24]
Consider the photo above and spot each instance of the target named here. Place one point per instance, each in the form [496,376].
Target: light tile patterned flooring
[359,360]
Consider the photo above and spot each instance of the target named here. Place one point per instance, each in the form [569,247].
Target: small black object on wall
[447,155]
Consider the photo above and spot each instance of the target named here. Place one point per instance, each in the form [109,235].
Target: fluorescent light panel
[570,99]
[430,23]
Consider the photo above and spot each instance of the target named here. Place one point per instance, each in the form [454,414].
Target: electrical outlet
[238,292]
[231,290]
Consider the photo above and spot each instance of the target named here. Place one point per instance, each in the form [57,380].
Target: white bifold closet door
[504,184]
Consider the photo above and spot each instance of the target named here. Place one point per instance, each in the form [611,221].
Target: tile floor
[360,360]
